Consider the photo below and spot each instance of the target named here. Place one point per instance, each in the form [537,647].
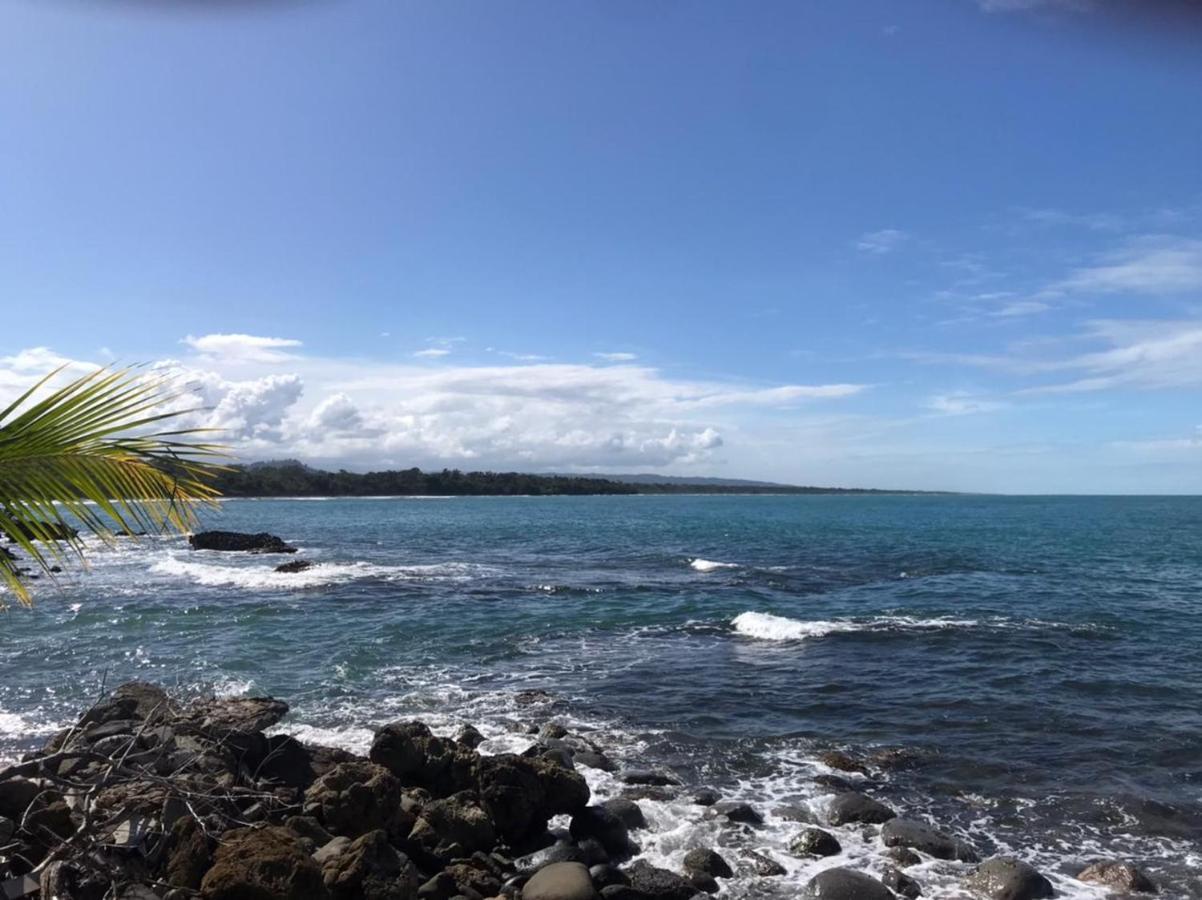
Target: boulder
[836,783]
[1007,878]
[1120,875]
[856,807]
[706,797]
[453,827]
[707,861]
[189,856]
[737,811]
[628,811]
[658,884]
[522,795]
[605,826]
[560,881]
[133,701]
[236,541]
[223,717]
[901,883]
[903,856]
[411,752]
[763,865]
[370,868]
[843,762]
[357,797]
[920,836]
[845,884]
[287,762]
[297,565]
[470,736]
[606,876]
[15,796]
[561,851]
[262,864]
[815,842]
[648,777]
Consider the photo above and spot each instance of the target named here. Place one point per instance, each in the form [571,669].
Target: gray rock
[764,866]
[856,807]
[903,856]
[470,736]
[1007,878]
[658,884]
[845,884]
[1120,875]
[708,862]
[647,777]
[560,881]
[563,851]
[843,762]
[737,811]
[815,842]
[600,823]
[706,797]
[701,881]
[594,759]
[628,811]
[238,542]
[901,883]
[920,836]
[605,875]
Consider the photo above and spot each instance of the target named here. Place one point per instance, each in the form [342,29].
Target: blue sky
[951,244]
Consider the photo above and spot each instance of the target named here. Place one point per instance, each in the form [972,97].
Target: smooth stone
[560,881]
[764,866]
[815,842]
[737,811]
[707,862]
[920,836]
[845,884]
[630,813]
[650,778]
[843,762]
[1007,878]
[857,807]
[706,797]
[1117,874]
[901,883]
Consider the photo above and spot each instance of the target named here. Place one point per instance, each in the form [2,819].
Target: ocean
[1024,671]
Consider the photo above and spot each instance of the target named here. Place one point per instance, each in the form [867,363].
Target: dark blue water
[1038,660]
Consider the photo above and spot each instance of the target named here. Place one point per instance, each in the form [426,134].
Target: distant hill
[292,478]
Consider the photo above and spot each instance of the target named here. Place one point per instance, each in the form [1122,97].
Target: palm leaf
[90,455]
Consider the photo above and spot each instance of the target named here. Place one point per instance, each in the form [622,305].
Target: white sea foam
[709,565]
[264,577]
[767,627]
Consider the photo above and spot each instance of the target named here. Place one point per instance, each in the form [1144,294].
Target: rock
[522,795]
[606,875]
[553,730]
[1007,878]
[475,877]
[297,565]
[594,759]
[600,823]
[845,884]
[628,811]
[706,797]
[764,866]
[701,881]
[531,698]
[190,854]
[901,883]
[659,884]
[331,850]
[920,836]
[453,827]
[236,541]
[835,782]
[707,861]
[793,812]
[441,887]
[262,864]
[470,736]
[369,868]
[411,752]
[53,531]
[286,762]
[357,797]
[815,842]
[15,796]
[737,811]
[223,717]
[62,880]
[903,856]
[1115,874]
[647,777]
[7,828]
[134,700]
[561,851]
[322,759]
[595,853]
[856,807]
[843,762]
[560,881]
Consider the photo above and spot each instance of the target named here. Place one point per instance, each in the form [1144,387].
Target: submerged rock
[920,836]
[843,762]
[857,807]
[901,883]
[1007,878]
[845,884]
[1118,874]
[297,565]
[238,542]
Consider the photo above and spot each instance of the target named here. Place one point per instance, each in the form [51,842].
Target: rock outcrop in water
[238,542]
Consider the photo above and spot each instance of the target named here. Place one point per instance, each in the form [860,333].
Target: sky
[950,244]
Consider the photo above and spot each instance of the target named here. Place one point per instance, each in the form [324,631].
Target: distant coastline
[290,478]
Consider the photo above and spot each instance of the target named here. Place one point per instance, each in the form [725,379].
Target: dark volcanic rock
[470,736]
[522,795]
[648,777]
[843,762]
[764,866]
[920,836]
[1120,875]
[845,884]
[1007,878]
[370,868]
[232,715]
[815,842]
[706,797]
[562,851]
[707,861]
[357,797]
[901,883]
[660,884]
[903,856]
[236,541]
[190,854]
[628,811]
[856,807]
[411,752]
[606,826]
[297,565]
[287,762]
[262,864]
[453,827]
[737,811]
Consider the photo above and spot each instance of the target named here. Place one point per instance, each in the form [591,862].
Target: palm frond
[89,455]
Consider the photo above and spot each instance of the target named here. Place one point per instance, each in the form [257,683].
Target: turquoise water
[1039,660]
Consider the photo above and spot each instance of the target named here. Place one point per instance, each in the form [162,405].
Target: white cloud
[1018,308]
[616,357]
[242,347]
[1147,265]
[884,241]
[432,353]
[959,403]
[1004,6]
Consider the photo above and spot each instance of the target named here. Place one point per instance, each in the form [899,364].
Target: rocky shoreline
[150,797]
